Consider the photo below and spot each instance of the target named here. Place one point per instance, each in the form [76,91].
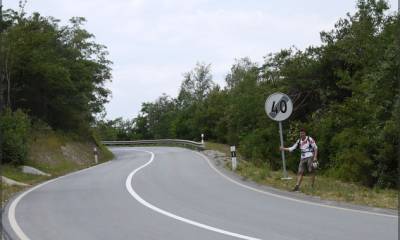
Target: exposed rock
[216,155]
[11,182]
[32,170]
[74,153]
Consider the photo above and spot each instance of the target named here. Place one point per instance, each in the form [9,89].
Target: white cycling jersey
[306,147]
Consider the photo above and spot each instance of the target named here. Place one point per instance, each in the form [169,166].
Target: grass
[218,147]
[9,191]
[15,173]
[326,188]
[54,153]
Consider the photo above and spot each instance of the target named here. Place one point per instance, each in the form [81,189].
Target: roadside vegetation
[326,188]
[55,153]
[51,92]
[345,93]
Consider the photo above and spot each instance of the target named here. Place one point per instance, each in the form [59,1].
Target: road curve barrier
[162,142]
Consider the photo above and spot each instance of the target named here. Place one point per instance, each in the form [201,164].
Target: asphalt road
[174,193]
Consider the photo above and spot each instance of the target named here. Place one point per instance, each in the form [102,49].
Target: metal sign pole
[279,107]
[285,176]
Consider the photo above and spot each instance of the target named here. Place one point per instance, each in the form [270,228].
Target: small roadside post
[96,160]
[233,157]
[202,138]
[279,107]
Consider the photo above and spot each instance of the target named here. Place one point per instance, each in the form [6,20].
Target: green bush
[261,147]
[14,130]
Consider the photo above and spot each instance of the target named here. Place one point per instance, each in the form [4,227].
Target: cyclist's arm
[315,153]
[315,147]
[292,148]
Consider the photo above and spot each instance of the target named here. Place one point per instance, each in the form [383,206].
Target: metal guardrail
[197,145]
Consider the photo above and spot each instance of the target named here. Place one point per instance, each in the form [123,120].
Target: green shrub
[352,160]
[261,147]
[14,130]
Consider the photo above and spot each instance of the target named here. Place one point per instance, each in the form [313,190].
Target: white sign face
[278,106]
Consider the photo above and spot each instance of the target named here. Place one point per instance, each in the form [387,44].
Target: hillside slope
[54,153]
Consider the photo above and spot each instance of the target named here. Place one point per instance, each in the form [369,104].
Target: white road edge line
[11,211]
[129,187]
[289,198]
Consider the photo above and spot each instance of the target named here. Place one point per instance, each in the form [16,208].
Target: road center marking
[130,189]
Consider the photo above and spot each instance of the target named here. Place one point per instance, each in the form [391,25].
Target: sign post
[285,176]
[96,160]
[279,107]
[233,158]
[202,138]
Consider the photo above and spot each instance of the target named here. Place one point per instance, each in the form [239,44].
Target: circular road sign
[278,106]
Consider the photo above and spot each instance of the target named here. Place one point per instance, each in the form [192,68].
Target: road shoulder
[220,165]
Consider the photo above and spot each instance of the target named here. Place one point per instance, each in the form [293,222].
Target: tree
[238,71]
[196,85]
[55,73]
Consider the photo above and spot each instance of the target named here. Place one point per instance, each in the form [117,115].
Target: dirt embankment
[53,153]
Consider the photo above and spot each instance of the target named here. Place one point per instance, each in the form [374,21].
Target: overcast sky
[153,42]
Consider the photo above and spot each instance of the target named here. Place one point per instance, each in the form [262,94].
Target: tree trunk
[8,78]
[2,86]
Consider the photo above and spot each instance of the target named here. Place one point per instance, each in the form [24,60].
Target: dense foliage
[14,130]
[48,73]
[54,73]
[345,92]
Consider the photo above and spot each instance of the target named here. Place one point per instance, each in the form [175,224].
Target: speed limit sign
[278,106]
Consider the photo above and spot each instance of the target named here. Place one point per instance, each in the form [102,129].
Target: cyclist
[309,154]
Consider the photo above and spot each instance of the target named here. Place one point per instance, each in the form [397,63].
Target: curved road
[174,193]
